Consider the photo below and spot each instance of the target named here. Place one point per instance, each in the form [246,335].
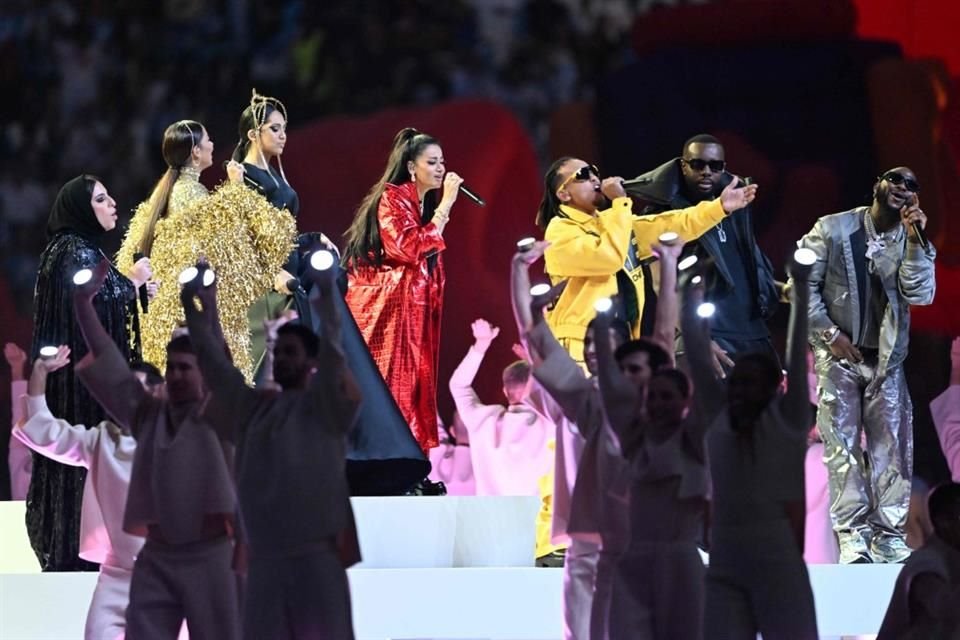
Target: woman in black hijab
[81,215]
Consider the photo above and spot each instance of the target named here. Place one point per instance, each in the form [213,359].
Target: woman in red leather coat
[395,269]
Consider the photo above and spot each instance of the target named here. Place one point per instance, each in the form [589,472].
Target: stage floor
[450,600]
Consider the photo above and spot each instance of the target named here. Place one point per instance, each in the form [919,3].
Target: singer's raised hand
[911,214]
[152,288]
[612,187]
[451,189]
[735,197]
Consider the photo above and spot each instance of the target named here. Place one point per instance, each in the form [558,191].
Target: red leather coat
[398,306]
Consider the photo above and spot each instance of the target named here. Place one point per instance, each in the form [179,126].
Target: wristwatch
[829,336]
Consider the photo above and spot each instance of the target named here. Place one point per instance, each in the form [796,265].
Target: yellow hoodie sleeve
[689,224]
[600,251]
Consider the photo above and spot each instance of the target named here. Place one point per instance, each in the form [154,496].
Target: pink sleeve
[18,389]
[945,410]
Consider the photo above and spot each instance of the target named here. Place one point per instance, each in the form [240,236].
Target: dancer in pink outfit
[945,410]
[508,444]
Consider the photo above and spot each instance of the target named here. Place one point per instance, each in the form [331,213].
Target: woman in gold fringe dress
[245,239]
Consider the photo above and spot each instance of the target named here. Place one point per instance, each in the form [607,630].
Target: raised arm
[41,431]
[104,370]
[621,399]
[97,339]
[668,302]
[333,385]
[472,411]
[17,361]
[520,292]
[796,402]
[692,222]
[709,394]
[231,399]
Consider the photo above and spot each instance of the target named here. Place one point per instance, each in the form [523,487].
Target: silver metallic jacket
[905,269]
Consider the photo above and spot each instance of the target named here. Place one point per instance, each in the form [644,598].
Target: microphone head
[477,200]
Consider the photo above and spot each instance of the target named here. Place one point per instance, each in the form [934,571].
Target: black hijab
[72,210]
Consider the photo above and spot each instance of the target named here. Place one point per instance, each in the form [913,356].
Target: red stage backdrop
[332,164]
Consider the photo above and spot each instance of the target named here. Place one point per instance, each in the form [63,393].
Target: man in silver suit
[872,264]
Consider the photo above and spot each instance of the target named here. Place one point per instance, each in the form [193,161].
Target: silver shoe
[886,548]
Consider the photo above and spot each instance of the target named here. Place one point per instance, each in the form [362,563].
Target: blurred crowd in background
[90,86]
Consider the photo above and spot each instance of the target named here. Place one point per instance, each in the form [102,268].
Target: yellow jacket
[588,251]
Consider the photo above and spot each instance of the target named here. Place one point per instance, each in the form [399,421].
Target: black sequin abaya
[56,490]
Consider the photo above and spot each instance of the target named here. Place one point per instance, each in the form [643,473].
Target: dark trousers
[192,581]
[303,596]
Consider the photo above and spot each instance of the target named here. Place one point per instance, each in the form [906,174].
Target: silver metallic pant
[868,503]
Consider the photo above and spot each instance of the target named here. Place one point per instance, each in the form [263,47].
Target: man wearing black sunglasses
[871,267]
[742,285]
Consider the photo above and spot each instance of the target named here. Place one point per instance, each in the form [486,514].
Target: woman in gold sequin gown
[244,238]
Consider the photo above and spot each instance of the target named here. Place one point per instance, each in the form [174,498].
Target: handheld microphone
[477,200]
[293,284]
[921,235]
[144,298]
[636,182]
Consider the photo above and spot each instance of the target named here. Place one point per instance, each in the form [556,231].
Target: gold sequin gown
[245,239]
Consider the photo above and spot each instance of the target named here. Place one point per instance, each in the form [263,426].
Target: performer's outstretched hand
[733,198]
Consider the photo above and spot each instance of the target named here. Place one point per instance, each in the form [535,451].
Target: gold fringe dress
[245,239]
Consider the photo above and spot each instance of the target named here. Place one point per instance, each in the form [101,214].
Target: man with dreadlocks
[597,244]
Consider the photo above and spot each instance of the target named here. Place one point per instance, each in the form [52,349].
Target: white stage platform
[447,597]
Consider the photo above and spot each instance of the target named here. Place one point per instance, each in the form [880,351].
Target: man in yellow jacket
[599,251]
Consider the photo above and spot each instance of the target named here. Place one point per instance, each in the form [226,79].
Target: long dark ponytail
[550,204]
[179,139]
[364,247]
